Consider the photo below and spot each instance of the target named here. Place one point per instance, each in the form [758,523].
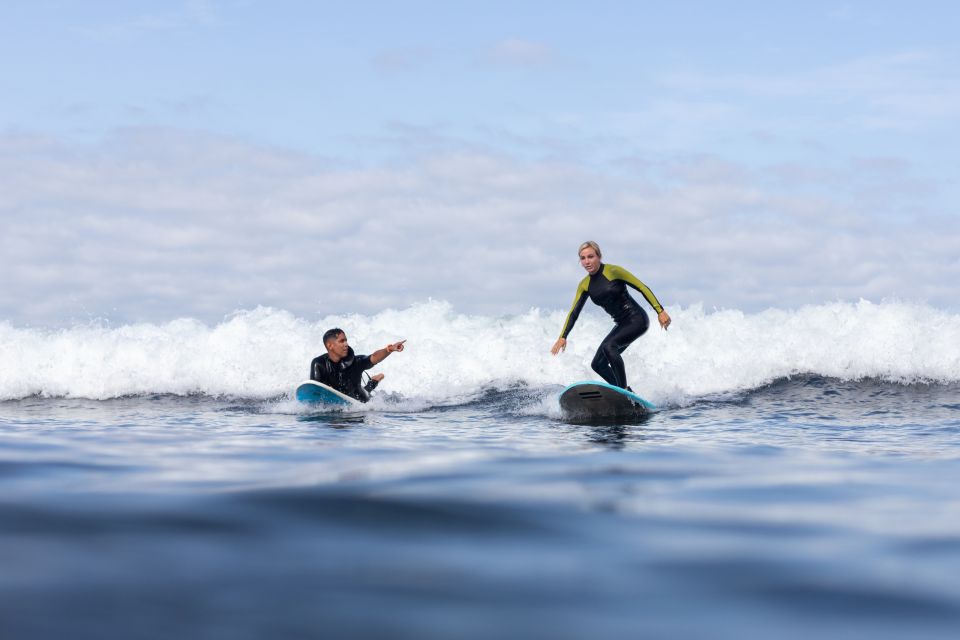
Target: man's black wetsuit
[345,376]
[608,289]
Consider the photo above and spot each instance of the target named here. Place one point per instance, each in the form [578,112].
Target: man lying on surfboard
[340,369]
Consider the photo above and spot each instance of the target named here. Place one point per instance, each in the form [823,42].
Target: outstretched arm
[377,356]
[578,302]
[619,273]
[622,274]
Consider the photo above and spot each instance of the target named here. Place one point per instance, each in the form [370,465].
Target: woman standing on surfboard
[606,286]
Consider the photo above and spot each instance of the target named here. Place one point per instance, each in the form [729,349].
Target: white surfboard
[313,392]
[591,400]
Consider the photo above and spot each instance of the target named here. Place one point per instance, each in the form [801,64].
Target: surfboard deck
[592,400]
[313,392]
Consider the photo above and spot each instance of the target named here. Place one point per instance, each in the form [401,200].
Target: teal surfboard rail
[313,392]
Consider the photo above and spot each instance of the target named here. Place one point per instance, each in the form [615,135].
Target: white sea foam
[265,352]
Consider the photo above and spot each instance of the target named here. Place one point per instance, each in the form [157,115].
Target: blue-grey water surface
[809,508]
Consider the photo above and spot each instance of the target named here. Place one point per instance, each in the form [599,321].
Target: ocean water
[800,479]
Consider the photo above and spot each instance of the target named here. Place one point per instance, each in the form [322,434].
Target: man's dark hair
[331,335]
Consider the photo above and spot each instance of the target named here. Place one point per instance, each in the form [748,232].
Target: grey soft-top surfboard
[591,400]
[313,392]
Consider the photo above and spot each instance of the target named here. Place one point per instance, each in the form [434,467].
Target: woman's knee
[599,362]
[609,351]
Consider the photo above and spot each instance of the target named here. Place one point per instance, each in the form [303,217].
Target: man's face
[338,347]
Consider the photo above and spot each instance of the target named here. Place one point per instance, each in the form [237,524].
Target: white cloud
[154,224]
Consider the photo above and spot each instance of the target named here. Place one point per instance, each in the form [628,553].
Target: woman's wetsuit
[608,289]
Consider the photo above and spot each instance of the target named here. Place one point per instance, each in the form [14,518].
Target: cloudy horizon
[200,158]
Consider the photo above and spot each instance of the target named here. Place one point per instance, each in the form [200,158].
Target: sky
[190,159]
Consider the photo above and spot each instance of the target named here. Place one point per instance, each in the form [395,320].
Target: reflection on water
[615,436]
[334,419]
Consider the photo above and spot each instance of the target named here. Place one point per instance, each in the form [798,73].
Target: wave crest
[265,352]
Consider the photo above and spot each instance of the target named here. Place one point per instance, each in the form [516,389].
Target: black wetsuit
[346,376]
[608,289]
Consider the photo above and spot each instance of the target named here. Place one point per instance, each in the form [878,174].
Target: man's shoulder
[320,365]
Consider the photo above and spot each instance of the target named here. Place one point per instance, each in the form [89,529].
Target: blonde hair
[592,245]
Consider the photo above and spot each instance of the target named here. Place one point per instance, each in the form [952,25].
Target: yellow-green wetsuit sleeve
[578,301]
[613,272]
